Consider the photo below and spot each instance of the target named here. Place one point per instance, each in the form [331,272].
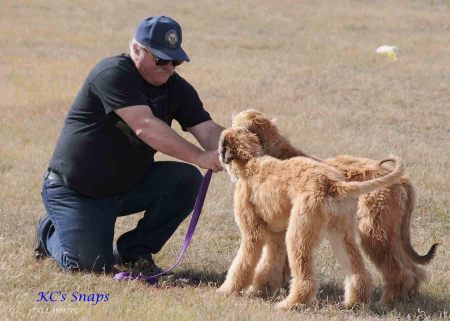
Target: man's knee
[88,262]
[189,177]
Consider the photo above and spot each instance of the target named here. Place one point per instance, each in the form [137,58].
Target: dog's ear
[239,118]
[238,143]
[227,146]
[265,128]
[249,146]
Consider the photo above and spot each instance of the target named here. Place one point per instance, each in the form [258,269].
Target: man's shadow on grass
[194,278]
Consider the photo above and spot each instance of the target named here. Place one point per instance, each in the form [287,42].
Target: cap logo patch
[172,38]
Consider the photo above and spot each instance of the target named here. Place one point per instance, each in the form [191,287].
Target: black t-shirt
[97,153]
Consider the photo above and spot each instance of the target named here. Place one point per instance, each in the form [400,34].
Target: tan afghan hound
[294,201]
[383,215]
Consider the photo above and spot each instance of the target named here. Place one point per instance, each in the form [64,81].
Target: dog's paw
[226,289]
[273,286]
[348,304]
[253,292]
[283,305]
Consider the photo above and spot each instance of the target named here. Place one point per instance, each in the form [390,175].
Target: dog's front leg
[303,236]
[241,272]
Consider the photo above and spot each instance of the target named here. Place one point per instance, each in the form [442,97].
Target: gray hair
[136,54]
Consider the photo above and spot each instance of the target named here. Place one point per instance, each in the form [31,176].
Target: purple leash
[152,279]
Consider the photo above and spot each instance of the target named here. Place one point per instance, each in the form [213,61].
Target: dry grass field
[311,64]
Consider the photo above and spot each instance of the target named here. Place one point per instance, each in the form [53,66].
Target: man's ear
[136,49]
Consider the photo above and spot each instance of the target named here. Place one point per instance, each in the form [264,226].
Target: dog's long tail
[406,239]
[354,189]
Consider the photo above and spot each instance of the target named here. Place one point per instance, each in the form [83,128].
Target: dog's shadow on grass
[329,293]
[418,306]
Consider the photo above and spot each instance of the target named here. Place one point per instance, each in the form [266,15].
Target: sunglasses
[163,62]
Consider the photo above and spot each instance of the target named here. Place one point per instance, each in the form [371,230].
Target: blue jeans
[79,230]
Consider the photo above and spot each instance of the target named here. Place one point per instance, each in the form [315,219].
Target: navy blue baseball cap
[163,36]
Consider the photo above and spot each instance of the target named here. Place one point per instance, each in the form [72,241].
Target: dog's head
[237,145]
[258,123]
[272,142]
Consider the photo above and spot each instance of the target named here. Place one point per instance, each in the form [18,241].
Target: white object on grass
[389,51]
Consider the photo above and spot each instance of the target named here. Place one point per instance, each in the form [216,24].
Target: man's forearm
[207,134]
[163,138]
[212,142]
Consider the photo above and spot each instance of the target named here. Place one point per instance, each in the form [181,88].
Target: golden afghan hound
[383,215]
[294,201]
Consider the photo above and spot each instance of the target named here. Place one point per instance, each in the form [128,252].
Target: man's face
[152,73]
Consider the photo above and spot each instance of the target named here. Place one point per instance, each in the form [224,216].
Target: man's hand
[208,134]
[209,160]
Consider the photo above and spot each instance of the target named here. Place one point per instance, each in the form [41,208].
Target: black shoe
[145,265]
[44,227]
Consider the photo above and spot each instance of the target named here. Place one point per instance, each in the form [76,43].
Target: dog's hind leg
[303,236]
[269,271]
[384,229]
[358,284]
